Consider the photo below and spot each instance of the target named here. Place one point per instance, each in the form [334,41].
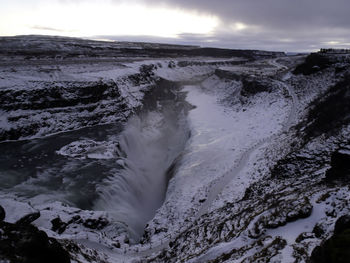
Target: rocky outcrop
[23,242]
[46,107]
[340,166]
[57,95]
[336,248]
[250,85]
[2,213]
[225,74]
[315,62]
[253,86]
[92,223]
[330,111]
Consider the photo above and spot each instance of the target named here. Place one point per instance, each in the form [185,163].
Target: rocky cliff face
[42,105]
[23,242]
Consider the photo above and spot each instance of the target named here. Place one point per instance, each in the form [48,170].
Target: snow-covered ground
[221,138]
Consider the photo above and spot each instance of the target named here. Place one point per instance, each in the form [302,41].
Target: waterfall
[148,147]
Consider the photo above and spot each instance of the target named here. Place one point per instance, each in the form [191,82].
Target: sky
[281,25]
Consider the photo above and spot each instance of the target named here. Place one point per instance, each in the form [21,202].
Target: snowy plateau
[138,152]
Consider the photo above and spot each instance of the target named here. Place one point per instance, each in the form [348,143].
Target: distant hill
[65,47]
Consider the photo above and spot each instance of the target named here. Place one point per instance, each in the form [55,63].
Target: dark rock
[284,213]
[329,112]
[225,74]
[258,229]
[318,230]
[250,85]
[126,240]
[335,249]
[340,166]
[98,224]
[248,193]
[171,64]
[340,68]
[342,224]
[160,230]
[117,245]
[2,213]
[26,243]
[303,212]
[303,236]
[58,95]
[313,63]
[76,219]
[147,70]
[58,225]
[254,86]
[88,101]
[28,219]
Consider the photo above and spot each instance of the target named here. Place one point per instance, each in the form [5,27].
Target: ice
[222,139]
[89,149]
[292,230]
[14,209]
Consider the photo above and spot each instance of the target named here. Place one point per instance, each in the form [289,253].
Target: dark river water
[32,167]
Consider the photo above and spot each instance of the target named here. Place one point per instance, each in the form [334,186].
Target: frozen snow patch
[91,149]
[14,209]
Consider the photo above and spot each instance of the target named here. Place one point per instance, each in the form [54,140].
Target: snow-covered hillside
[137,152]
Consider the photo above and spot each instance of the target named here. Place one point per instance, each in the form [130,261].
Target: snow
[223,248]
[345,151]
[230,139]
[190,73]
[292,230]
[14,209]
[4,124]
[89,149]
[223,138]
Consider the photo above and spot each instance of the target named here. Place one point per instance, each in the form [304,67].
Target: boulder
[23,242]
[342,224]
[2,213]
[28,219]
[315,62]
[340,166]
[335,249]
[58,225]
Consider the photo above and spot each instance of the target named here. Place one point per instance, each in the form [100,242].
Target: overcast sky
[287,25]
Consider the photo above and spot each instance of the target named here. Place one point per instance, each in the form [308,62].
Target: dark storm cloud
[304,41]
[272,13]
[228,41]
[289,25]
[276,24]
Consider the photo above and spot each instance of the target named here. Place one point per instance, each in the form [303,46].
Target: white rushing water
[148,147]
[123,171]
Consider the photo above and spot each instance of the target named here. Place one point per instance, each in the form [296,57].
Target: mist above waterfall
[148,149]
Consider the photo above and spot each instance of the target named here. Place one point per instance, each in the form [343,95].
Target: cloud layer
[272,24]
[285,25]
[278,14]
